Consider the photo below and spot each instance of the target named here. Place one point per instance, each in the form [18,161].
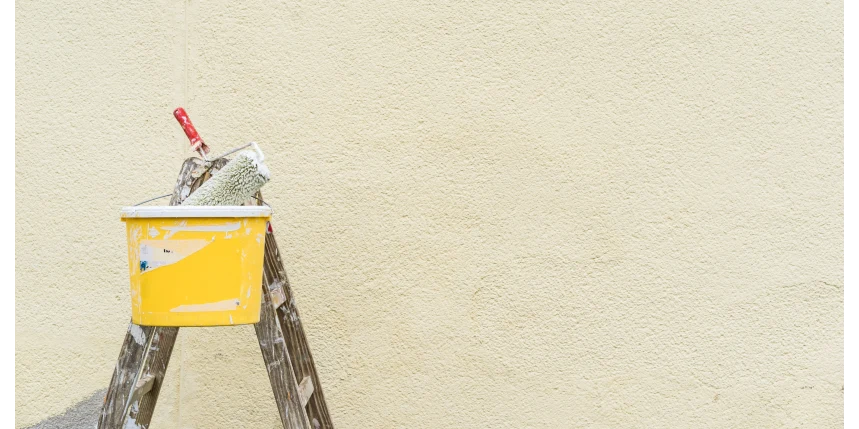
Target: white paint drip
[276,363]
[138,334]
[256,156]
[225,305]
[135,234]
[153,232]
[228,227]
[131,423]
[277,284]
[170,233]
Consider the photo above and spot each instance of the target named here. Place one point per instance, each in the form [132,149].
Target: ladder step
[278,296]
[142,387]
[305,389]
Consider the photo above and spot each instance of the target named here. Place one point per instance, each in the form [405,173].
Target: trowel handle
[196,142]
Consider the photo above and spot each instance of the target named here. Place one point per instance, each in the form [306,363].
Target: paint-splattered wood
[145,354]
[276,287]
[274,277]
[139,373]
[279,366]
[121,404]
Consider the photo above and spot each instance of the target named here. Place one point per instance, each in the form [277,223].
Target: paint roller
[235,182]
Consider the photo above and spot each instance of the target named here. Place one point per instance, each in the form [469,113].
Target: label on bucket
[158,253]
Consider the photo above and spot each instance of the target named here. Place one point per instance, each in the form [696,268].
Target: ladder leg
[279,367]
[143,359]
[138,375]
[303,366]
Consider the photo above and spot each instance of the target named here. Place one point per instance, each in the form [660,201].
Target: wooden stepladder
[139,372]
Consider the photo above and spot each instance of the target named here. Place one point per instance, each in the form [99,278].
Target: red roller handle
[196,142]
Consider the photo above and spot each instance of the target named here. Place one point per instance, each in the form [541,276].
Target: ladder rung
[278,296]
[305,390]
[142,387]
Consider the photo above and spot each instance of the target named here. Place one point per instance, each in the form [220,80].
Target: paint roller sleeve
[234,183]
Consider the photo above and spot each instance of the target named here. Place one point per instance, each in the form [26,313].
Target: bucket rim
[150,212]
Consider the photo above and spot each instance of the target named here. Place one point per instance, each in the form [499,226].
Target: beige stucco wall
[493,214]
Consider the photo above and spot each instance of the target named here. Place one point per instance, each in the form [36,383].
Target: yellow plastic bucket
[195,266]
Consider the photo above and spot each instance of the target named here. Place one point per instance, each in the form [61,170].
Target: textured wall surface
[494,214]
